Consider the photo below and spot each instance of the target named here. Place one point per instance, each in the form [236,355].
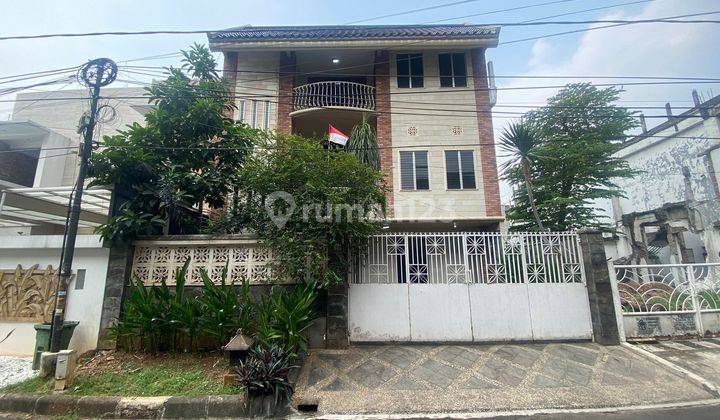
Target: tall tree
[520,141]
[186,154]
[581,129]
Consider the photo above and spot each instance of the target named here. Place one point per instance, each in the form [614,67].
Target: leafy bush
[265,372]
[158,317]
[283,317]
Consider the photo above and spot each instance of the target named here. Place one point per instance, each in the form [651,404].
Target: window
[460,169]
[241,112]
[409,70]
[414,173]
[266,117]
[453,72]
[253,121]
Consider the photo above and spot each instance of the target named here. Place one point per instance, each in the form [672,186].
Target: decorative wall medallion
[456,130]
[412,131]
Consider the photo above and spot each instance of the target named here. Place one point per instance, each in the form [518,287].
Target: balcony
[333,95]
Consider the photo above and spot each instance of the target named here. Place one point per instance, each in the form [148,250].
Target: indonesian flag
[337,136]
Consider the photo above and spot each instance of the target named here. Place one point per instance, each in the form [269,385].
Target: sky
[634,50]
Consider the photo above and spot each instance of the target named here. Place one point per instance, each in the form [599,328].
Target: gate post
[599,287]
[118,273]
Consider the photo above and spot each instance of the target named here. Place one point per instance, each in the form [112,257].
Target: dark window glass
[459,69]
[409,70]
[468,169]
[422,176]
[452,169]
[460,169]
[445,64]
[407,173]
[453,72]
[416,70]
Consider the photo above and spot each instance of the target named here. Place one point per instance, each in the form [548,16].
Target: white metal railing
[675,288]
[334,94]
[471,257]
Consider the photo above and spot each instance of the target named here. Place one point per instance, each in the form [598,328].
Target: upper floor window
[409,70]
[453,71]
[414,173]
[460,169]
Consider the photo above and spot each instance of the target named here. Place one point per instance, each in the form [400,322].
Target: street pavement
[701,357]
[480,378]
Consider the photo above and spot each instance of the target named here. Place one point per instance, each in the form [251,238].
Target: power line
[594,9]
[457,3]
[500,24]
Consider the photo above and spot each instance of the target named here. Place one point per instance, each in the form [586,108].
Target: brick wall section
[287,69]
[230,74]
[384,122]
[485,130]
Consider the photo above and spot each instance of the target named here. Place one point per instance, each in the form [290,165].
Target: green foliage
[520,141]
[580,129]
[185,155]
[336,199]
[363,144]
[224,311]
[283,317]
[265,372]
[158,317]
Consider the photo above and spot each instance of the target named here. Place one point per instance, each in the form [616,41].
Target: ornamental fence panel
[470,257]
[155,261]
[690,290]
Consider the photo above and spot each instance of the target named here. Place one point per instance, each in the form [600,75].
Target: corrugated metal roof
[305,33]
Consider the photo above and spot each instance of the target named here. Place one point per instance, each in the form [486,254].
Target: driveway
[701,357]
[473,378]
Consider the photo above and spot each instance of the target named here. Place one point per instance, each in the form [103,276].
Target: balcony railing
[334,94]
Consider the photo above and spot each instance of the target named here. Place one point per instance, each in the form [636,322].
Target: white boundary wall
[84,305]
[468,312]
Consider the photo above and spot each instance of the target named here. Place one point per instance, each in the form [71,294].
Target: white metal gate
[469,286]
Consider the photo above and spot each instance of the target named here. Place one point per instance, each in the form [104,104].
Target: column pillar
[488,161]
[286,81]
[384,123]
[230,63]
[599,286]
[118,274]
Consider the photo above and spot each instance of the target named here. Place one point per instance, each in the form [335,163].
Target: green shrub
[265,372]
[223,310]
[283,317]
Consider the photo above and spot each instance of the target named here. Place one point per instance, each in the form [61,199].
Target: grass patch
[129,374]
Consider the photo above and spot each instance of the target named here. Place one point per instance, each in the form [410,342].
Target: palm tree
[520,140]
[363,144]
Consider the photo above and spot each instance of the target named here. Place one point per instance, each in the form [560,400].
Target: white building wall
[84,305]
[256,89]
[60,111]
[435,126]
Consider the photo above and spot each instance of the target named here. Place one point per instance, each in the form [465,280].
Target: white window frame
[460,169]
[410,73]
[414,169]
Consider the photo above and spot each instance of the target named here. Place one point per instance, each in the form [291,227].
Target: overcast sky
[634,50]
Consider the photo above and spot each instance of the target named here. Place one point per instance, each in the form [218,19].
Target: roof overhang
[354,44]
[22,207]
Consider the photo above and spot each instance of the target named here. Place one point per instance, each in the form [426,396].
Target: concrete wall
[434,126]
[63,113]
[84,305]
[660,325]
[254,80]
[468,312]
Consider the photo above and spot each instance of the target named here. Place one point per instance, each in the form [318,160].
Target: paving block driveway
[473,378]
[701,357]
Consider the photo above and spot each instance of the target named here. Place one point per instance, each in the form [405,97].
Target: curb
[692,377]
[217,406]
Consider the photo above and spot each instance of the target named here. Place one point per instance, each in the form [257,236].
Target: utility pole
[94,74]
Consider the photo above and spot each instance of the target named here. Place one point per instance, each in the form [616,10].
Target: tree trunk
[531,199]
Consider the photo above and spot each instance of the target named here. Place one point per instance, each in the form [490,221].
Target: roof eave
[402,43]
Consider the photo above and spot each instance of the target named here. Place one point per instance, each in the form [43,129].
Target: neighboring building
[425,88]
[671,212]
[38,162]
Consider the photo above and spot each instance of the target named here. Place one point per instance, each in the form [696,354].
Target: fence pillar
[336,327]
[600,292]
[119,266]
